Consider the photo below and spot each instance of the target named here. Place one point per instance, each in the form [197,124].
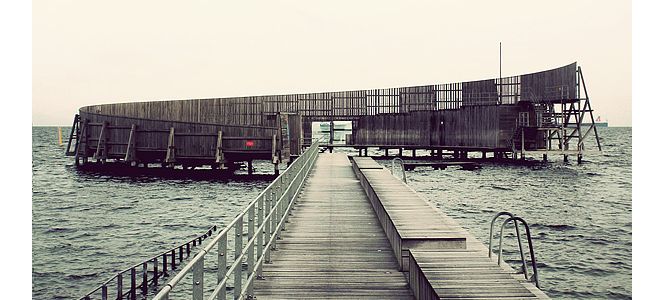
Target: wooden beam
[130,155]
[81,141]
[100,153]
[170,151]
[219,153]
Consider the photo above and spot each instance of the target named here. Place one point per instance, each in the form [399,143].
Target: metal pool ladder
[515,220]
[403,171]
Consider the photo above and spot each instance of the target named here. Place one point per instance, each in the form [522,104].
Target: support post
[219,153]
[400,152]
[82,141]
[100,153]
[130,155]
[250,167]
[170,152]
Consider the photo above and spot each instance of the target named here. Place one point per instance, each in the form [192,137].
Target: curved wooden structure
[538,111]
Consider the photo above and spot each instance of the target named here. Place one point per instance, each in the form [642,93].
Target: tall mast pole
[500,73]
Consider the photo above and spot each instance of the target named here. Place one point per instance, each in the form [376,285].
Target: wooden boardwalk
[334,246]
[357,232]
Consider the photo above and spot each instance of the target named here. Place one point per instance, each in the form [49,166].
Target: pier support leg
[276,169]
[414,152]
[387,152]
[565,158]
[400,152]
[431,152]
[250,167]
[359,152]
[579,158]
[544,157]
[483,154]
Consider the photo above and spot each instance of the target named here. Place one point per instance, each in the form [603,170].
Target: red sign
[249,143]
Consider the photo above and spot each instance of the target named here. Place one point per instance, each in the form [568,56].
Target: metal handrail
[183,249]
[403,170]
[518,237]
[271,208]
[533,262]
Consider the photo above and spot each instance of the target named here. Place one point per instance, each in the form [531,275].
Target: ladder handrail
[518,236]
[403,170]
[533,262]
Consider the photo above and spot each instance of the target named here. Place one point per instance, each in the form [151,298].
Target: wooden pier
[331,227]
[541,111]
[334,246]
[374,238]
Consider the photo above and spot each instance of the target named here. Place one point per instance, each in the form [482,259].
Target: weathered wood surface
[350,105]
[407,220]
[333,246]
[451,271]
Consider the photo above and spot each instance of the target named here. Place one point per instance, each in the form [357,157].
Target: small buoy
[60,136]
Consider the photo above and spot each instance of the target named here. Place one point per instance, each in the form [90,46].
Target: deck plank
[333,246]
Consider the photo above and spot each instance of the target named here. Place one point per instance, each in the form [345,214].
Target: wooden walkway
[333,246]
[357,232]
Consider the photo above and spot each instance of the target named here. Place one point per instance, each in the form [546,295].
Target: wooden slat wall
[350,105]
[403,115]
[469,126]
[543,85]
[153,134]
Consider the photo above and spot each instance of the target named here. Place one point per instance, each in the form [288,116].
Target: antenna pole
[500,73]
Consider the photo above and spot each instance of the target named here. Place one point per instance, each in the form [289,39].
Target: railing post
[132,292]
[274,216]
[221,264]
[268,224]
[119,286]
[155,270]
[164,264]
[173,259]
[104,292]
[197,282]
[181,254]
[144,285]
[261,234]
[250,252]
[279,207]
[237,282]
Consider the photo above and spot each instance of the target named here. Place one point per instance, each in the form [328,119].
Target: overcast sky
[90,52]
